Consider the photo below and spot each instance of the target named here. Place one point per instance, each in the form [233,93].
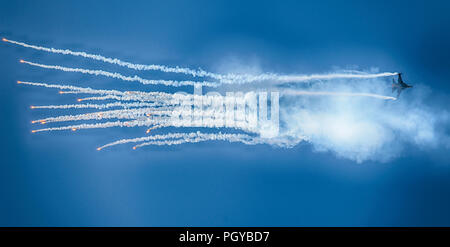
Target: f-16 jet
[400,85]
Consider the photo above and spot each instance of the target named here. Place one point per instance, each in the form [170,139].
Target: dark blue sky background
[59,179]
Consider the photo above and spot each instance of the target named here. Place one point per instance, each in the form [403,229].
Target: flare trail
[252,116]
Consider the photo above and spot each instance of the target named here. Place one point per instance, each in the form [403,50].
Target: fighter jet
[400,85]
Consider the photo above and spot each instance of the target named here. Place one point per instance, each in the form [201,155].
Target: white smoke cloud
[361,128]
[349,113]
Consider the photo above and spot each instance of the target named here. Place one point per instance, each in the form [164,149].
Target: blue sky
[59,179]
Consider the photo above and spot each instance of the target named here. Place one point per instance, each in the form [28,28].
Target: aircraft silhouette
[400,85]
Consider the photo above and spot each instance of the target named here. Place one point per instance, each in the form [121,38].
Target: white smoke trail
[124,96]
[227,78]
[134,113]
[300,78]
[149,96]
[346,94]
[135,123]
[142,98]
[277,79]
[200,137]
[100,98]
[95,106]
[195,73]
[146,138]
[124,78]
[141,117]
[186,137]
[70,92]
[119,114]
[282,79]
[73,88]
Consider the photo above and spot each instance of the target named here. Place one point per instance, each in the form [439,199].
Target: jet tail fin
[394,85]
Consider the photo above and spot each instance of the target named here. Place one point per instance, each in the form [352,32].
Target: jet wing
[394,85]
[399,91]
